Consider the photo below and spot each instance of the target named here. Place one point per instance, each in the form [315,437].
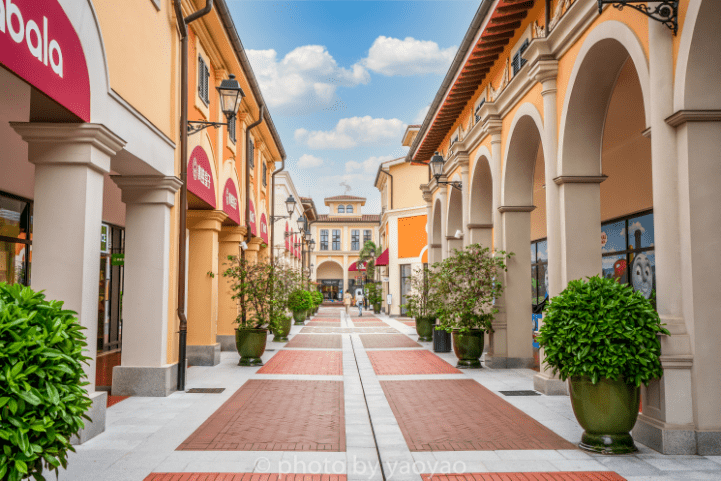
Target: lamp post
[437,162]
[230,96]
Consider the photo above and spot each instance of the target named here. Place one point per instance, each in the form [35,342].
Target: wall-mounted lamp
[289,206]
[437,163]
[459,234]
[666,12]
[230,96]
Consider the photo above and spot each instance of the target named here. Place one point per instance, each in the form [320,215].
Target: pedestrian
[359,302]
[347,298]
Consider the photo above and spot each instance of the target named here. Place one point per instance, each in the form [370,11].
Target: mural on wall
[627,248]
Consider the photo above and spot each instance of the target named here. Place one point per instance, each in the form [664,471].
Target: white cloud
[421,115]
[369,166]
[393,56]
[308,161]
[636,226]
[305,79]
[353,131]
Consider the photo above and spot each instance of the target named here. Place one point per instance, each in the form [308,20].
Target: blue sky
[342,80]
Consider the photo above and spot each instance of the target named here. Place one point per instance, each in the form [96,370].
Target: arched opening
[341,209]
[349,209]
[329,275]
[454,226]
[437,233]
[481,204]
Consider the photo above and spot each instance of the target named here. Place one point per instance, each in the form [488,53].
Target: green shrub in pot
[42,400]
[603,337]
[421,304]
[299,302]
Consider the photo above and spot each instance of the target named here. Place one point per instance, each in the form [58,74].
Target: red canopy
[382,259]
[354,267]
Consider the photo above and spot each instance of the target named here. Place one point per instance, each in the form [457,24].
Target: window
[203,80]
[539,273]
[349,209]
[336,239]
[15,239]
[355,240]
[367,235]
[518,60]
[251,154]
[265,174]
[231,128]
[405,285]
[324,239]
[477,113]
[627,249]
[341,209]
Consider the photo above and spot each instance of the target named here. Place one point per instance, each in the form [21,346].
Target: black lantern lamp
[230,96]
[301,224]
[664,11]
[289,206]
[311,245]
[307,236]
[437,162]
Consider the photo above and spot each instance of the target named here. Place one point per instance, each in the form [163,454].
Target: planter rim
[265,329]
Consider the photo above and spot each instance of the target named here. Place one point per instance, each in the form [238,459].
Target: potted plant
[258,290]
[602,336]
[420,303]
[299,302]
[467,285]
[374,297]
[318,300]
[42,400]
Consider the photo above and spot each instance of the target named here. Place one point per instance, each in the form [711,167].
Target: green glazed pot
[281,334]
[468,347]
[376,308]
[424,328]
[607,412]
[251,345]
[299,317]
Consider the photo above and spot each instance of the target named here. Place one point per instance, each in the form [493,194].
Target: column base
[204,355]
[668,438]
[97,414]
[227,342]
[498,362]
[550,386]
[145,381]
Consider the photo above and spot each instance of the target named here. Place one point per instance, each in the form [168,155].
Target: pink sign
[263,228]
[200,179]
[40,45]
[253,229]
[230,201]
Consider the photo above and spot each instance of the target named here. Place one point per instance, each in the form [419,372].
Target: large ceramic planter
[424,328]
[607,412]
[281,333]
[251,345]
[468,347]
[299,317]
[376,308]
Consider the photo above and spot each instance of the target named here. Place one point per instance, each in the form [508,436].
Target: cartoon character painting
[642,275]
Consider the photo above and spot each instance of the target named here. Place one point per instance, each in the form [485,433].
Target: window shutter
[524,47]
[265,175]
[231,128]
[201,77]
[251,154]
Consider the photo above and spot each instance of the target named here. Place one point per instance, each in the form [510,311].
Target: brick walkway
[305,362]
[462,415]
[396,363]
[409,323]
[554,476]
[323,323]
[316,342]
[348,330]
[243,477]
[370,324]
[374,341]
[275,416]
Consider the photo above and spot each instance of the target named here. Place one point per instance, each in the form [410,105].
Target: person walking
[359,302]
[347,298]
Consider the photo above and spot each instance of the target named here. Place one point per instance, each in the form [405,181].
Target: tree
[367,256]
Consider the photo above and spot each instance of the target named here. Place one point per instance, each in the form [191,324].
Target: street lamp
[312,245]
[289,206]
[437,162]
[230,96]
[301,223]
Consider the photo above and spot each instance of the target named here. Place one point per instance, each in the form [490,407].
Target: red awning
[354,267]
[382,259]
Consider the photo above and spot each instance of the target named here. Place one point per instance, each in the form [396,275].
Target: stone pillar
[428,197]
[443,196]
[667,421]
[516,225]
[466,196]
[70,161]
[229,241]
[453,243]
[251,253]
[204,226]
[144,369]
[480,234]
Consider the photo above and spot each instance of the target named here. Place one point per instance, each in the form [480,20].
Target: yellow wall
[406,181]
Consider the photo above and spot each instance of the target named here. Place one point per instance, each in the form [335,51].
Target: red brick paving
[323,324]
[325,319]
[371,324]
[282,415]
[319,342]
[553,476]
[366,319]
[113,400]
[409,362]
[243,477]
[374,341]
[348,330]
[305,362]
[462,415]
[409,323]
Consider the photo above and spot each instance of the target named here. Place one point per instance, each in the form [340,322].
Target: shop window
[251,154]
[15,239]
[336,239]
[203,80]
[367,235]
[405,286]
[231,129]
[539,274]
[265,174]
[112,260]
[324,239]
[341,209]
[627,249]
[355,240]
[518,60]
[349,209]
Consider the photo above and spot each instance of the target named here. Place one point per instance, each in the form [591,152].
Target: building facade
[286,251]
[339,235]
[582,127]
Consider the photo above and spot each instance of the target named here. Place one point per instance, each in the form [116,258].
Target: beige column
[70,161]
[453,243]
[466,196]
[251,253]
[428,197]
[229,241]
[443,196]
[480,234]
[204,226]
[144,369]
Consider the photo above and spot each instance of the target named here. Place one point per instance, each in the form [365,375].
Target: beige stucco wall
[406,179]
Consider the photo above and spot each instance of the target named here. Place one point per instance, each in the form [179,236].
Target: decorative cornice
[97,135]
[148,189]
[206,219]
[579,179]
[516,208]
[676,361]
[435,246]
[683,116]
[480,226]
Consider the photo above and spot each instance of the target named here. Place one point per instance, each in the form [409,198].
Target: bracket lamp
[437,162]
[230,96]
[666,12]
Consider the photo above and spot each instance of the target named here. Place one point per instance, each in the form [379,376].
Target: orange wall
[412,237]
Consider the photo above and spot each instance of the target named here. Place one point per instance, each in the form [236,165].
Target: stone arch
[480,215]
[595,71]
[521,151]
[454,219]
[334,270]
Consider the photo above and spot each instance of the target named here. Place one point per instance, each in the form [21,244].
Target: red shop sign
[230,201]
[40,45]
[200,178]
[253,229]
[263,228]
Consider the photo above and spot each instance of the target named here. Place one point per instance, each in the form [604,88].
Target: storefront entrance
[332,289]
[15,239]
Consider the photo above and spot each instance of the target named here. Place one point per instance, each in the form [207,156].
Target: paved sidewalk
[357,402]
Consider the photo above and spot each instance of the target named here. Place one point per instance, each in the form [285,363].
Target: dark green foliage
[601,328]
[317,298]
[375,294]
[300,300]
[42,401]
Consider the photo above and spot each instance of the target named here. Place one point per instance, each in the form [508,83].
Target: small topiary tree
[299,301]
[42,400]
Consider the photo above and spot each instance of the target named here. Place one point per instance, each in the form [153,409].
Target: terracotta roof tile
[345,197]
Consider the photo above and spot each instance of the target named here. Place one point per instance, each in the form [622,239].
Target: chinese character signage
[230,201]
[200,177]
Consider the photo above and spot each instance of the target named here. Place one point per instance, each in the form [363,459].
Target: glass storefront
[15,239]
[627,247]
[405,286]
[110,288]
[332,289]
